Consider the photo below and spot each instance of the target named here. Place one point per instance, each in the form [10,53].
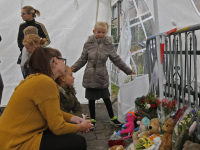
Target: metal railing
[180,67]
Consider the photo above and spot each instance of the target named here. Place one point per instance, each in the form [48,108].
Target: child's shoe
[115,122]
[93,121]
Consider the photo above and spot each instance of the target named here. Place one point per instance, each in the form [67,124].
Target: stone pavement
[98,139]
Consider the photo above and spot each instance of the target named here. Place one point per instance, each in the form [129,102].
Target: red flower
[111,143]
[158,102]
[150,101]
[170,105]
[174,103]
[143,101]
[153,106]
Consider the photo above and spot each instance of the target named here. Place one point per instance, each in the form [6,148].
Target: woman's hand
[76,119]
[85,126]
[73,69]
[132,73]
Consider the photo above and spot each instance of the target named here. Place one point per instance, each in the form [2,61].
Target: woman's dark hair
[39,61]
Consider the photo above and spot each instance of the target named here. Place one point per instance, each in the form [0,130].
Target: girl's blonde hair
[31,10]
[101,24]
[58,80]
[30,30]
[33,39]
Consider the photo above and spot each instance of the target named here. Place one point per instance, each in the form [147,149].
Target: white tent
[68,23]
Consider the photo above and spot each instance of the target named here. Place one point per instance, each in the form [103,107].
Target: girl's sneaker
[93,121]
[115,122]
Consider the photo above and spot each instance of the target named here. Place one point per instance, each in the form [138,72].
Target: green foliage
[114,33]
[114,90]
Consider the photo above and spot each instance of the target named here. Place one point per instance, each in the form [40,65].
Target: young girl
[95,53]
[68,100]
[32,120]
[30,43]
[25,54]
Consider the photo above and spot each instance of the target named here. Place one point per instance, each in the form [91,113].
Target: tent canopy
[68,23]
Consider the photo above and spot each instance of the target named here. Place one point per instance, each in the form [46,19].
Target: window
[114,12]
[149,27]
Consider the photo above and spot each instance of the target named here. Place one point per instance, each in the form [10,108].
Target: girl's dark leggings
[69,141]
[108,106]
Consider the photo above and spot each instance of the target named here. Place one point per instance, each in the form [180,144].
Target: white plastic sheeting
[129,92]
[68,23]
[125,41]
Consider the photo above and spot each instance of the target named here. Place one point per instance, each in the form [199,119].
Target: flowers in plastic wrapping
[184,128]
[115,139]
[168,106]
[144,143]
[147,104]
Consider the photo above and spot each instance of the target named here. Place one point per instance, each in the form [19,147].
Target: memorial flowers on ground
[147,104]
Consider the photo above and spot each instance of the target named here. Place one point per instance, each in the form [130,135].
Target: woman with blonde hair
[28,14]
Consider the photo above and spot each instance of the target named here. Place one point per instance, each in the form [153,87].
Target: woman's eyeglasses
[23,13]
[64,60]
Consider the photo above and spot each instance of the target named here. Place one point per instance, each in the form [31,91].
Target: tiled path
[98,139]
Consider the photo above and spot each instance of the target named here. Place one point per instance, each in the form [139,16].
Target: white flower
[147,106]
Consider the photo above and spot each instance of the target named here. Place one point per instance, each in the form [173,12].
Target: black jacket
[42,32]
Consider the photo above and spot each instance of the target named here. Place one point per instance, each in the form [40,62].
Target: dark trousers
[69,141]
[108,106]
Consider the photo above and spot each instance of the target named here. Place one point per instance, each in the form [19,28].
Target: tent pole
[97,11]
[158,48]
[118,19]
[160,68]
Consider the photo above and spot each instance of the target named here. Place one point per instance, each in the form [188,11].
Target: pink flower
[165,100]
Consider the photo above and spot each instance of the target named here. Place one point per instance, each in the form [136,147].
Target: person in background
[95,53]
[1,87]
[32,119]
[1,81]
[31,41]
[28,14]
[68,101]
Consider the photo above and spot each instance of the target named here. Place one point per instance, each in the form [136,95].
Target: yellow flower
[147,142]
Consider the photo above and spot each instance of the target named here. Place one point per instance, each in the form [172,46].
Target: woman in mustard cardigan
[32,119]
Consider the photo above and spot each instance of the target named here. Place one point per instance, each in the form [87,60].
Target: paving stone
[98,139]
[99,125]
[102,134]
[97,145]
[90,136]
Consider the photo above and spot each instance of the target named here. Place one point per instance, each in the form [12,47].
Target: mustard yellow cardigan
[32,108]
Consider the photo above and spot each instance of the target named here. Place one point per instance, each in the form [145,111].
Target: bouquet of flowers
[115,139]
[184,128]
[147,104]
[168,106]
